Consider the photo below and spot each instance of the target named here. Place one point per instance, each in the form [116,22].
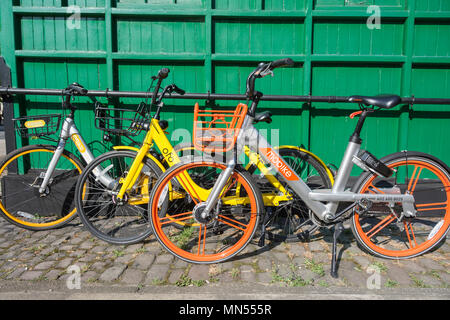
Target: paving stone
[175,275]
[98,266]
[164,259]
[112,273]
[297,249]
[228,277]
[89,276]
[315,246]
[354,278]
[281,257]
[199,272]
[125,259]
[445,277]
[16,273]
[264,264]
[363,261]
[264,277]
[133,248]
[63,264]
[412,266]
[10,265]
[132,276]
[44,265]
[53,274]
[156,273]
[31,275]
[89,257]
[429,264]
[429,281]
[247,273]
[144,261]
[88,244]
[399,275]
[178,263]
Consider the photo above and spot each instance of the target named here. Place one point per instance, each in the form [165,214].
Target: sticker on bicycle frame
[279,164]
[34,124]
[78,143]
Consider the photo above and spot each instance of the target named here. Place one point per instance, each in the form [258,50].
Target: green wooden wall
[212,45]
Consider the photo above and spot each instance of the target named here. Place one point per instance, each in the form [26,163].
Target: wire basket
[121,121]
[217,130]
[37,126]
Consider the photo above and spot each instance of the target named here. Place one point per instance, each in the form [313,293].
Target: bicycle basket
[37,126]
[121,121]
[217,130]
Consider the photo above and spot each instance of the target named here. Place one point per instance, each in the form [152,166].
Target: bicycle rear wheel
[204,240]
[117,222]
[21,175]
[382,230]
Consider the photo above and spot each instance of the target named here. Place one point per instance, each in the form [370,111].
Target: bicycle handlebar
[162,74]
[263,70]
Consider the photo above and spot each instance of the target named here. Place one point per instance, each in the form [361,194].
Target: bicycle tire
[180,242]
[32,210]
[428,222]
[120,223]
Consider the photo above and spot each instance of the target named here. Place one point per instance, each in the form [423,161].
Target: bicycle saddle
[265,116]
[383,101]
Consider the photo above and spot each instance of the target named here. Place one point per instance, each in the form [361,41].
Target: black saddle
[265,116]
[383,101]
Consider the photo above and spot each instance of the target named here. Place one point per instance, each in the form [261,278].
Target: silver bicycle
[399,206]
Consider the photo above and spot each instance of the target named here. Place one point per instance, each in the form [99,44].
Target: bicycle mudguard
[330,174]
[149,155]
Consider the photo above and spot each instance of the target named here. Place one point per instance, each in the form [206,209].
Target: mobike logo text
[279,164]
[78,143]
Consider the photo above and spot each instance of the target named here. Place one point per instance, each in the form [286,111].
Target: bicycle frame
[312,198]
[70,130]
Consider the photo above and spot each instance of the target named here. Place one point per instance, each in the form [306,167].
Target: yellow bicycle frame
[158,136]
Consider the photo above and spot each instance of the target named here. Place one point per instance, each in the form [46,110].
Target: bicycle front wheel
[21,176]
[383,230]
[115,221]
[179,195]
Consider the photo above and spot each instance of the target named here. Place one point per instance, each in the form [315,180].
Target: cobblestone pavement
[38,257]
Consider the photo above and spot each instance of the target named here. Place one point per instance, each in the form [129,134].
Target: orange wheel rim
[414,247]
[199,248]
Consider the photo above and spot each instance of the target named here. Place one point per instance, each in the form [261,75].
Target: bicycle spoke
[432,206]
[176,217]
[232,222]
[380,226]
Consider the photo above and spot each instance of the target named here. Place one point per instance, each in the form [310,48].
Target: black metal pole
[210,96]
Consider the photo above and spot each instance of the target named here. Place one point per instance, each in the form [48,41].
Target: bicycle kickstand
[338,228]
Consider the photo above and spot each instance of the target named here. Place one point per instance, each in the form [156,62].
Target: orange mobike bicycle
[399,207]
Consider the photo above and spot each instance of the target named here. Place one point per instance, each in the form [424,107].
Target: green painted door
[212,45]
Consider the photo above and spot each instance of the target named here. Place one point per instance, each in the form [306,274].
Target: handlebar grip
[286,62]
[76,88]
[178,90]
[163,73]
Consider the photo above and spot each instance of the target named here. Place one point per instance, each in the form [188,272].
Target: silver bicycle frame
[314,199]
[70,130]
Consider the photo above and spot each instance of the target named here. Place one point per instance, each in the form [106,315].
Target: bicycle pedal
[364,205]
